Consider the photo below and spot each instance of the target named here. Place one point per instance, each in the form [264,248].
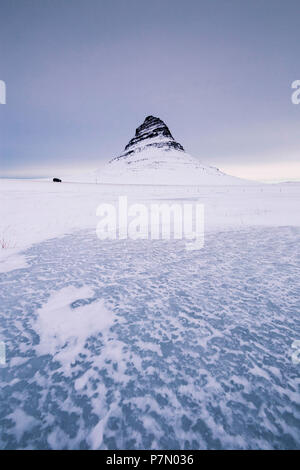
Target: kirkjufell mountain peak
[153,133]
[153,156]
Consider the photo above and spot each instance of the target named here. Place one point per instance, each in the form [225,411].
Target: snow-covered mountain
[153,156]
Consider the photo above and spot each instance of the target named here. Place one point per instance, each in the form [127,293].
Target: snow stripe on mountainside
[154,157]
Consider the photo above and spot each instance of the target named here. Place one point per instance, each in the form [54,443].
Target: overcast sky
[81,75]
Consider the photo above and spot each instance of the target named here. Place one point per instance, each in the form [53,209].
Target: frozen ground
[142,344]
[33,211]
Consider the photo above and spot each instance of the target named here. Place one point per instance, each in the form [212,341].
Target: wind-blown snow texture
[174,349]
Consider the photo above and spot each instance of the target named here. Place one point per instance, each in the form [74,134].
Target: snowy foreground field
[124,344]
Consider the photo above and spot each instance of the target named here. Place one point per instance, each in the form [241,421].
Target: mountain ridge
[153,156]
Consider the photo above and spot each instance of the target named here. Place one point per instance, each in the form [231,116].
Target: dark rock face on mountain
[153,133]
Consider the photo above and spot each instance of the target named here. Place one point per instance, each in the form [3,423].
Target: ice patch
[196,353]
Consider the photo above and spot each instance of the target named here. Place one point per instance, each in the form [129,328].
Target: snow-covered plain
[143,344]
